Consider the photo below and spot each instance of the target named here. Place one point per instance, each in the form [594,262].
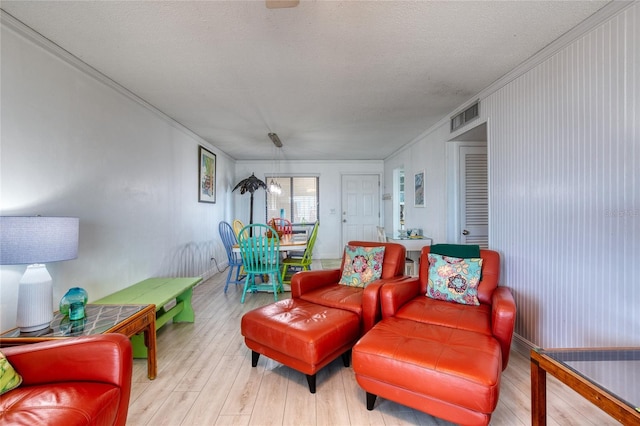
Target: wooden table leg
[150,343]
[538,394]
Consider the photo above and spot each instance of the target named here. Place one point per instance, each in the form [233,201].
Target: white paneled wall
[563,135]
[564,164]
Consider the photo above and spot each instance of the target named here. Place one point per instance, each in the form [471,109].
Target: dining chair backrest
[260,253]
[308,252]
[283,226]
[228,236]
[382,237]
[237,227]
[229,239]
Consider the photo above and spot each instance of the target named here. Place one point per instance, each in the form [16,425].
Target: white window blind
[298,199]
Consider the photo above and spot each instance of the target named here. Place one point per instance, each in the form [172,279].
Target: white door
[474,210]
[360,207]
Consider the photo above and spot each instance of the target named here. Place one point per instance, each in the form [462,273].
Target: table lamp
[34,241]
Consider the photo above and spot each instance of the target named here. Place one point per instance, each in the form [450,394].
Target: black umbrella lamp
[251,185]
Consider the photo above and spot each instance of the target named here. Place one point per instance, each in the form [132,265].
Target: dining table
[296,242]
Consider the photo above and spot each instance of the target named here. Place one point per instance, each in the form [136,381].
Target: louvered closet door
[474,211]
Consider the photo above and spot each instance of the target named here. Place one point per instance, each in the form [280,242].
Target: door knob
[465,232]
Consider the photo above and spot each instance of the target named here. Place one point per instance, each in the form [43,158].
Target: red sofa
[74,381]
[440,357]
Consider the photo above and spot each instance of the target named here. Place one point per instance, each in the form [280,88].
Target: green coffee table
[162,292]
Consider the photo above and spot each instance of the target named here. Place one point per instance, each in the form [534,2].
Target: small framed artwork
[207,173]
[418,194]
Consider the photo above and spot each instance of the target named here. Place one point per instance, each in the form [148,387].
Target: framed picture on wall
[207,173]
[418,186]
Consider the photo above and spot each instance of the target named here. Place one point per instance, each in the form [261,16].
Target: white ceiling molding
[335,80]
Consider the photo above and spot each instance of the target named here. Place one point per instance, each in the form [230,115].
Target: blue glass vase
[73,302]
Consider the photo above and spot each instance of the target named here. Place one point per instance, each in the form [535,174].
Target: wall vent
[465,116]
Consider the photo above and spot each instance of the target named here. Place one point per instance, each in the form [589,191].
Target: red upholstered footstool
[447,372]
[300,335]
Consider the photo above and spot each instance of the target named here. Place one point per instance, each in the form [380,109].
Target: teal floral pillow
[362,265]
[454,279]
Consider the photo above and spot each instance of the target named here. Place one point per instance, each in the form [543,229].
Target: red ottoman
[446,372]
[300,335]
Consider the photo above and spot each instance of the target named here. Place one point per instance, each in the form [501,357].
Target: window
[298,199]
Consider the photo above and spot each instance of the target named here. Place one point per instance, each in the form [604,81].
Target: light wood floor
[205,378]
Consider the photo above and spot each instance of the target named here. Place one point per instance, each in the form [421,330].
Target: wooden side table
[607,377]
[129,320]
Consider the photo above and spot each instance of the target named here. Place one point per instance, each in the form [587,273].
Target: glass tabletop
[616,371]
[98,319]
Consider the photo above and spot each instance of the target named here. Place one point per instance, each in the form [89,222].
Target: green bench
[160,292]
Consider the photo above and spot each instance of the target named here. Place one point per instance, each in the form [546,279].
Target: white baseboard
[214,270]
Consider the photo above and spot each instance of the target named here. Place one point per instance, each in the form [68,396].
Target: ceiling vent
[465,116]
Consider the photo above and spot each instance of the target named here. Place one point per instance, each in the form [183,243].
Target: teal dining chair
[260,257]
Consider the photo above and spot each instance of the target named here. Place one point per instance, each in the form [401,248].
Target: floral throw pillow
[362,265]
[9,378]
[454,279]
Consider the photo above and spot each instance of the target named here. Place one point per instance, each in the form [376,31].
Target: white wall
[73,146]
[329,240]
[428,154]
[564,184]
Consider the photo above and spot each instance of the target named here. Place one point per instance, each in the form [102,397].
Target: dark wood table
[607,377]
[124,319]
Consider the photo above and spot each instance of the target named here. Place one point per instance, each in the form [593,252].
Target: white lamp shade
[36,239]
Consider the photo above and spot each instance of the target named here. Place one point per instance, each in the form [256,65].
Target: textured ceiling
[334,79]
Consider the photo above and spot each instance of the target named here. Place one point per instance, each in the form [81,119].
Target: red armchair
[322,320]
[322,288]
[74,381]
[440,357]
